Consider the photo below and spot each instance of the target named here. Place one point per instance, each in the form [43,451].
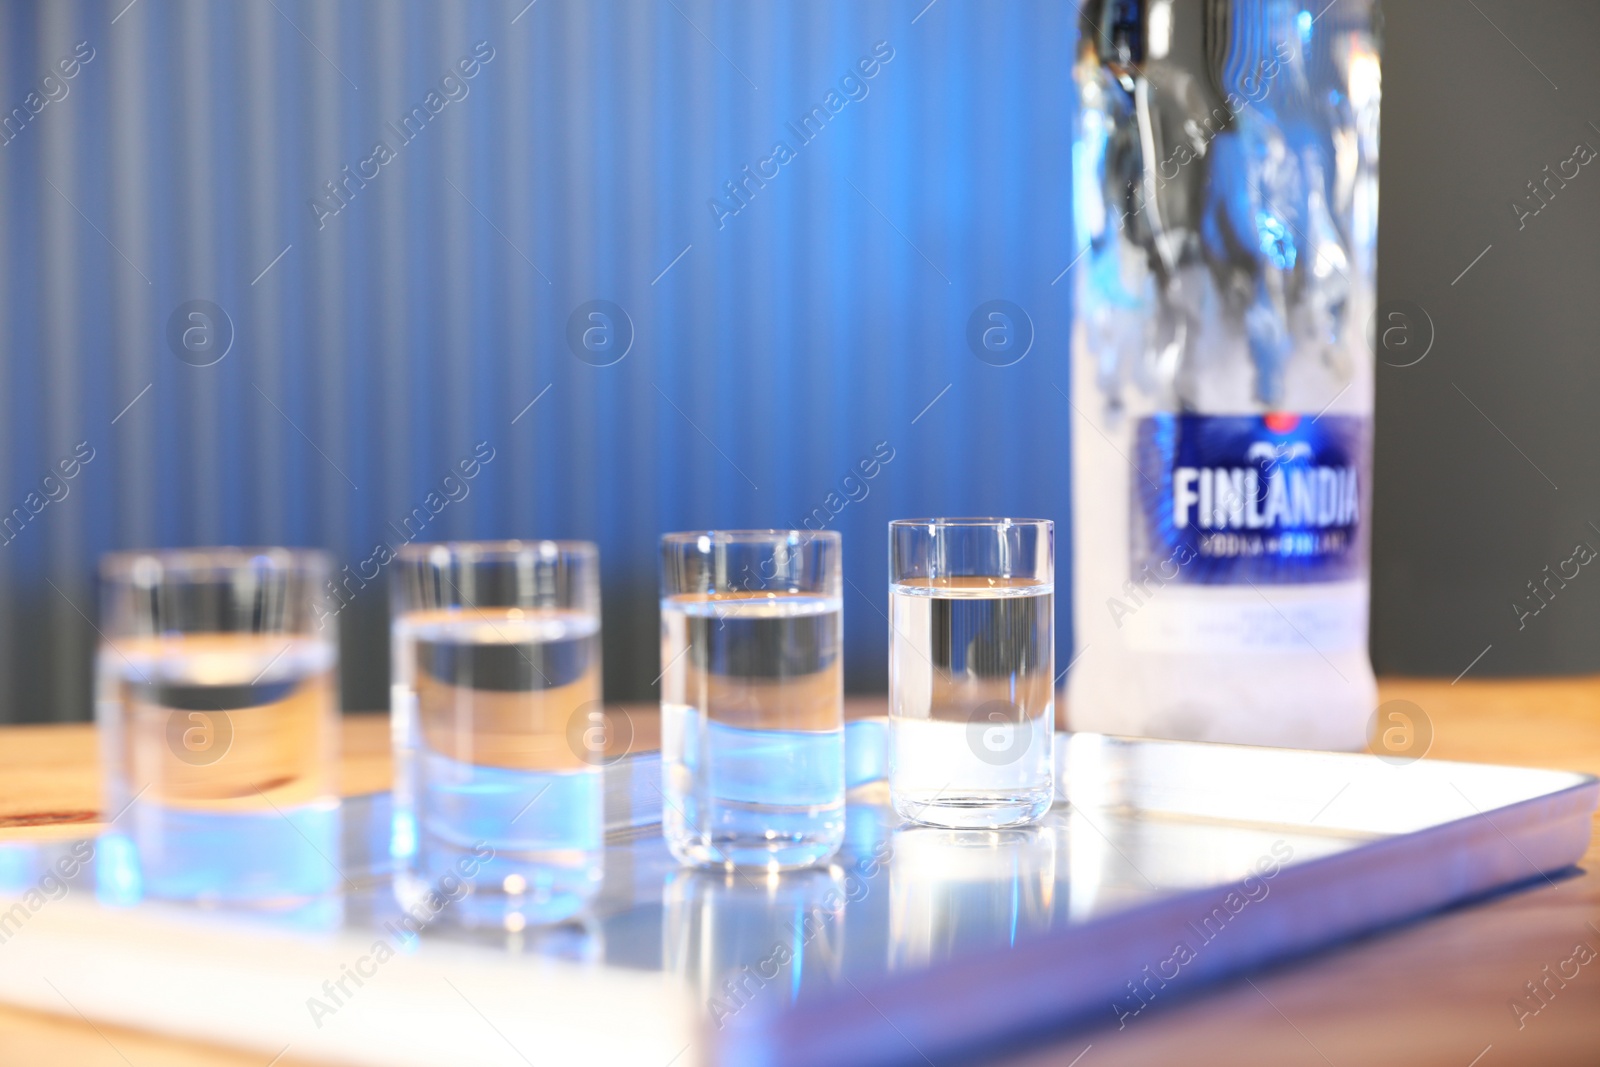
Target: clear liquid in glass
[493,786]
[971,700]
[752,728]
[219,749]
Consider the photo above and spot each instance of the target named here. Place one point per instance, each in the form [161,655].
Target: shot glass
[971,670]
[216,696]
[752,697]
[499,733]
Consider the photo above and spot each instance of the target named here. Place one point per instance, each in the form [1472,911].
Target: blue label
[1231,499]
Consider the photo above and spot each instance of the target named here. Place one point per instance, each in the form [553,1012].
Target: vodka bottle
[1225,184]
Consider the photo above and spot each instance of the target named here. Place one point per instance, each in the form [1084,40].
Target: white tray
[1173,865]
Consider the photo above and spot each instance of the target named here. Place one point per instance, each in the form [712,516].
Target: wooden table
[1433,992]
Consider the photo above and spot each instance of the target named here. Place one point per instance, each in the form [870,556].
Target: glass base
[498,847]
[510,893]
[276,860]
[757,836]
[760,854]
[976,811]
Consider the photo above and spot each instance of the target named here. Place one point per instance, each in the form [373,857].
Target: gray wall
[1488,450]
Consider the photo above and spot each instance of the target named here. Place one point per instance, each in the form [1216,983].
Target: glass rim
[968,521]
[751,536]
[495,551]
[212,559]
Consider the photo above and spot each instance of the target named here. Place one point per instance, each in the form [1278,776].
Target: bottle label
[1234,499]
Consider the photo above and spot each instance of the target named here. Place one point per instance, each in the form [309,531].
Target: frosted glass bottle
[1225,183]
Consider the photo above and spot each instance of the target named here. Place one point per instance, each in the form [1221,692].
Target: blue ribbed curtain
[271,269]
